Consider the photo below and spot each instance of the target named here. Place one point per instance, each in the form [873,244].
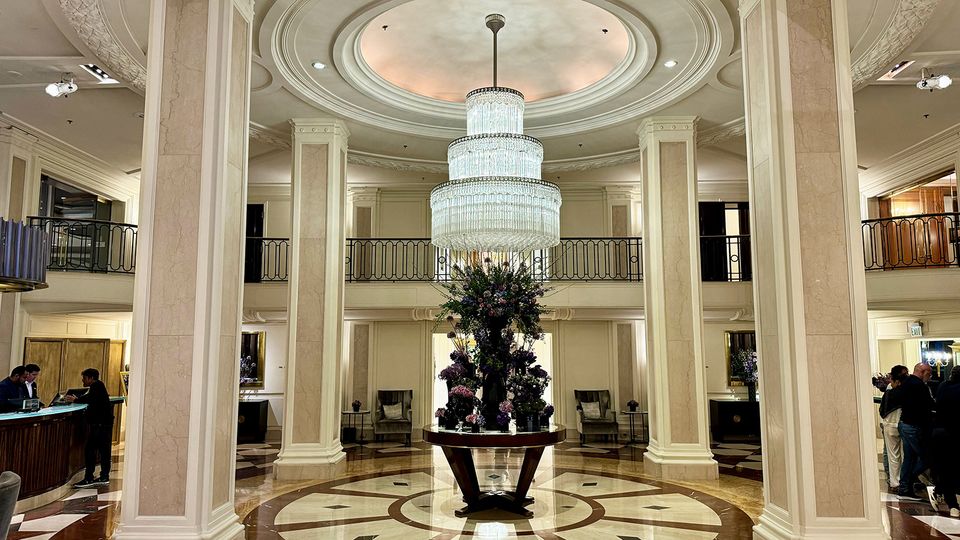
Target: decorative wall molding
[918,162]
[263,134]
[902,28]
[721,133]
[88,20]
[84,169]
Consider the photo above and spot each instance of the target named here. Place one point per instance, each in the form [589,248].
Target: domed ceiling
[397,70]
[442,50]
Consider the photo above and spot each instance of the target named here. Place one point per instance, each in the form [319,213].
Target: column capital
[311,128]
[363,194]
[667,124]
[12,135]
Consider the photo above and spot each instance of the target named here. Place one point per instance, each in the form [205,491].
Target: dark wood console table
[457,448]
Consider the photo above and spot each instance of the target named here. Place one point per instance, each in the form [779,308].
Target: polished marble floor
[385,490]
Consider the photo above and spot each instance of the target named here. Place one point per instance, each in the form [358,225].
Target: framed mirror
[253,356]
[736,341]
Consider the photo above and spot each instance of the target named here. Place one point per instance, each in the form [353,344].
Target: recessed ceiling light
[318,64]
[670,63]
[99,74]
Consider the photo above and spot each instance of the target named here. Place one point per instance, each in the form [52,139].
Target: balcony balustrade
[416,259]
[918,241]
[89,245]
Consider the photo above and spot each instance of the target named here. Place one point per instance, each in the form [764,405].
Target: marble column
[820,476]
[182,412]
[679,440]
[311,416]
[16,162]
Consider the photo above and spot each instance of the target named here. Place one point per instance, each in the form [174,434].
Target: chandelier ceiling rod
[495,22]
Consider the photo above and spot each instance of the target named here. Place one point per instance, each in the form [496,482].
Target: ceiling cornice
[927,158]
[903,26]
[88,20]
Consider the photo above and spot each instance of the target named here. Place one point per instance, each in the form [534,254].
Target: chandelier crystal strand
[495,199]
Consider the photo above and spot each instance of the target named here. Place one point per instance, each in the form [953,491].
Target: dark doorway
[253,259]
[725,241]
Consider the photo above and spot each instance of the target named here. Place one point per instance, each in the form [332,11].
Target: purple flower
[503,419]
[547,411]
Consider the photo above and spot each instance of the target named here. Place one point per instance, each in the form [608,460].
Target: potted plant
[503,417]
[356,405]
[545,415]
[476,421]
[632,405]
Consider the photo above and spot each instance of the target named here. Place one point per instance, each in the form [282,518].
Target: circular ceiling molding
[697,33]
[451,55]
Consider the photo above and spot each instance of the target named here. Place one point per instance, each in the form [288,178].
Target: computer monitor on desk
[22,405]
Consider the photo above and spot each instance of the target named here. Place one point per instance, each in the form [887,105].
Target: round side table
[457,447]
[633,416]
[352,418]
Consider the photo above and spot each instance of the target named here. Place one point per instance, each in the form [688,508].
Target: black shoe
[102,482]
[86,484]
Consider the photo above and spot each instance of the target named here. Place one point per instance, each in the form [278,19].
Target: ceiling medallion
[495,199]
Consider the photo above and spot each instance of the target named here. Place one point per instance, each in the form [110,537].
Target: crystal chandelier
[495,199]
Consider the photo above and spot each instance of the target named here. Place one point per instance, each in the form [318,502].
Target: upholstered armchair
[601,420]
[382,425]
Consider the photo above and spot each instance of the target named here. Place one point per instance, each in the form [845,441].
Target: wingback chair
[382,426]
[606,424]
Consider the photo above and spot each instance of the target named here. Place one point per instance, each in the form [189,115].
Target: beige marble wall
[626,374]
[188,294]
[679,446]
[309,323]
[360,364]
[808,278]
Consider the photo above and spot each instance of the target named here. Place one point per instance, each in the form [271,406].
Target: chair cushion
[393,411]
[591,410]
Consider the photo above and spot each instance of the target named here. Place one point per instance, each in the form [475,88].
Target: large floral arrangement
[744,366]
[493,303]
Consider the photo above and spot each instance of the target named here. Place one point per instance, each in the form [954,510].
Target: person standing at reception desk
[12,390]
[99,416]
[30,374]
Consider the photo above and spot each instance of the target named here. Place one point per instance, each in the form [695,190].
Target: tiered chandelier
[495,199]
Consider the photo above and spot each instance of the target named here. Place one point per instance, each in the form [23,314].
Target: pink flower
[506,406]
[472,418]
[461,391]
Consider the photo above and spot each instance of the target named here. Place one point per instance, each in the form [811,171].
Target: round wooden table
[457,448]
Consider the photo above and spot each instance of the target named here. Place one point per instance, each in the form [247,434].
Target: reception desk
[45,448]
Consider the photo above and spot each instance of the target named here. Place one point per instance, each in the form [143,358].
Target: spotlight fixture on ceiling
[62,88]
[670,63]
[933,82]
[318,65]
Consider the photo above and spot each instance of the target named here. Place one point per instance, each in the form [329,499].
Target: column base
[772,526]
[227,527]
[309,462]
[685,466]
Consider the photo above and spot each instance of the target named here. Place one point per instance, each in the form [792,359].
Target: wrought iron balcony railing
[415,259]
[918,241]
[725,258]
[266,259]
[89,245]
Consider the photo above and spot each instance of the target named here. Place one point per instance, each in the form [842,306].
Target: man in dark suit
[11,389]
[29,379]
[99,416]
